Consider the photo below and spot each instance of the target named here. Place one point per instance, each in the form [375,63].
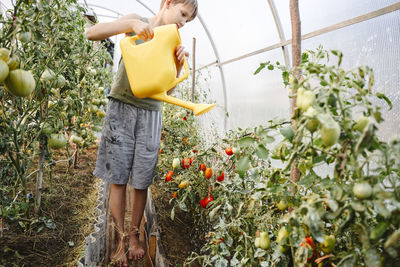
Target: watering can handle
[184,76]
[133,38]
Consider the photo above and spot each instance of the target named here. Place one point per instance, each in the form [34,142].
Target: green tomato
[176,163]
[20,82]
[282,235]
[330,133]
[13,63]
[47,128]
[361,123]
[76,139]
[4,70]
[265,242]
[362,190]
[61,81]
[24,37]
[47,76]
[282,205]
[257,242]
[328,244]
[57,141]
[4,54]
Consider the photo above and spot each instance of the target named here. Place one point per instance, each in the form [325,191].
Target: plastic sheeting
[239,27]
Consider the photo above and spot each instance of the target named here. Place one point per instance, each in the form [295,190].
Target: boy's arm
[125,24]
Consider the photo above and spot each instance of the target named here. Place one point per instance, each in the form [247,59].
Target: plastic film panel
[238,27]
[315,15]
[375,43]
[255,99]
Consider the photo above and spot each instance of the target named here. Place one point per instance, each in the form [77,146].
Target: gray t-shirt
[121,90]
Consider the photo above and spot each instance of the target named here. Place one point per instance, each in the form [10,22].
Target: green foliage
[326,213]
[47,38]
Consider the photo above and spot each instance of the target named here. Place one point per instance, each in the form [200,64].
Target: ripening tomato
[208,173]
[175,194]
[221,177]
[202,167]
[228,151]
[185,163]
[309,242]
[168,177]
[191,160]
[184,184]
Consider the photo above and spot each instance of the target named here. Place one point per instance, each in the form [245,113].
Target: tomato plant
[337,213]
[45,94]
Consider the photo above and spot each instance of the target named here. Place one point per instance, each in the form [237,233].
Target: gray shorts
[129,145]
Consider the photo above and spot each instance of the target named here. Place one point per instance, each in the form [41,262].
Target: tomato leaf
[246,141]
[308,180]
[242,166]
[288,133]
[173,213]
[261,67]
[372,258]
[262,152]
[285,77]
[382,96]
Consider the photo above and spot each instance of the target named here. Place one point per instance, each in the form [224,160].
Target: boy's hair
[193,3]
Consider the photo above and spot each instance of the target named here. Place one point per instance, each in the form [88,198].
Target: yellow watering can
[151,67]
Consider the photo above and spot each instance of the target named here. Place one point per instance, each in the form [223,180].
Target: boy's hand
[143,30]
[180,54]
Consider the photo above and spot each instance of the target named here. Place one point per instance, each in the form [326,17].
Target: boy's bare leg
[117,204]
[139,198]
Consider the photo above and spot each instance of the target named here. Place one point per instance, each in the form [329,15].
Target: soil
[177,235]
[69,199]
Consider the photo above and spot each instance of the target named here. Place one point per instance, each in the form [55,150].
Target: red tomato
[218,241]
[204,202]
[185,163]
[184,118]
[228,151]
[191,160]
[221,177]
[208,173]
[202,167]
[168,177]
[309,243]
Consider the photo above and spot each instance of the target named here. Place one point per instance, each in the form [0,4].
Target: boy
[132,128]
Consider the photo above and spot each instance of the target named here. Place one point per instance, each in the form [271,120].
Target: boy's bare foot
[118,257]
[136,252]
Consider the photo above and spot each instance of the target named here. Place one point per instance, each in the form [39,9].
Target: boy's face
[178,14]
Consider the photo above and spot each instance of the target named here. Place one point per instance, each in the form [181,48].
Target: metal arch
[221,70]
[105,8]
[280,31]
[145,6]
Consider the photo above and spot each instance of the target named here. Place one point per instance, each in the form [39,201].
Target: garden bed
[68,204]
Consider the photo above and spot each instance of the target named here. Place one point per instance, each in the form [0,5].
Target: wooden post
[193,68]
[296,59]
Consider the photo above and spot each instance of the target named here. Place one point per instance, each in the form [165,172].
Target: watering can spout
[197,109]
